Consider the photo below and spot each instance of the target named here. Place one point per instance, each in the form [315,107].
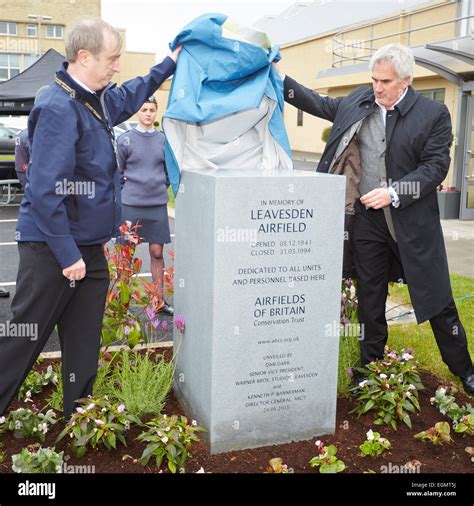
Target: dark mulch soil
[350,433]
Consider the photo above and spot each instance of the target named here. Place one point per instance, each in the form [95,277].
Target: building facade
[28,29]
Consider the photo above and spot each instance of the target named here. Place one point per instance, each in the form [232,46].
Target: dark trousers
[45,298]
[374,249]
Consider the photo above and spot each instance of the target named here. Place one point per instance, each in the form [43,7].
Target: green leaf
[328,469]
[81,451]
[407,420]
[112,440]
[172,466]
[368,406]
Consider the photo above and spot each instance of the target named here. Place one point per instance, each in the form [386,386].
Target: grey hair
[401,57]
[88,33]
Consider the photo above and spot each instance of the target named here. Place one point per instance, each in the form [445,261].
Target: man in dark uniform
[71,208]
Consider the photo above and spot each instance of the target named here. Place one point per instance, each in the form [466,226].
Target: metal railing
[363,49]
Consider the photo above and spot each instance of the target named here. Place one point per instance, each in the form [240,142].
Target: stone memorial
[258,269]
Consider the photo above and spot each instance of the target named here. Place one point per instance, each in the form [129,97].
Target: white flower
[71,435]
[432,400]
[2,419]
[167,429]
[160,433]
[363,383]
[407,356]
[370,435]
[383,376]
[121,408]
[80,410]
[409,394]
[165,439]
[411,387]
[180,429]
[194,423]
[392,375]
[442,390]
[318,443]
[104,410]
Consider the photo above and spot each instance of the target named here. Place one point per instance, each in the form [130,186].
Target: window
[437,95]
[9,66]
[54,31]
[29,60]
[7,28]
[299,121]
[32,30]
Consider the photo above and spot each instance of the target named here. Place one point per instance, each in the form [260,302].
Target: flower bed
[405,455]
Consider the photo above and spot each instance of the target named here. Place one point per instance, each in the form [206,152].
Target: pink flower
[121,408]
[178,320]
[164,324]
[350,372]
[100,422]
[80,411]
[149,311]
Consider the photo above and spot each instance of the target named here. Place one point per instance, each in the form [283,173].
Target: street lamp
[39,17]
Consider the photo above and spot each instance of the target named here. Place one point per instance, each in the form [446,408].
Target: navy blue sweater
[141,157]
[72,195]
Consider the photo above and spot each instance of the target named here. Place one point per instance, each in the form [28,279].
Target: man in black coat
[402,141]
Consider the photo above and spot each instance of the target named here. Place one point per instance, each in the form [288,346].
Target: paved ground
[459,238]
[9,267]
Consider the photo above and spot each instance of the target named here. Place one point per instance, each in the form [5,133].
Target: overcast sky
[152,24]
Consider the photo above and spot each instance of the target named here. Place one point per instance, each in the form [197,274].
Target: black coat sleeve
[309,101]
[434,161]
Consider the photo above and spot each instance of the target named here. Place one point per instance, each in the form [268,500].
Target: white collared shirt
[143,131]
[384,111]
[82,85]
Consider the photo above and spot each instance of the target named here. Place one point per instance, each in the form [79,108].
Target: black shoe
[4,293]
[167,309]
[468,384]
[354,388]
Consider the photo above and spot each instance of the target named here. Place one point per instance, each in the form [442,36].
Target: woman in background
[145,188]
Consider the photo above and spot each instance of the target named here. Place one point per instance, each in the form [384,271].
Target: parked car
[7,141]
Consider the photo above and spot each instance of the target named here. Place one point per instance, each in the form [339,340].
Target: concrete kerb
[157,344]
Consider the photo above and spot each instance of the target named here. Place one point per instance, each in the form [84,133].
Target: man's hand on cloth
[278,69]
[376,199]
[175,53]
